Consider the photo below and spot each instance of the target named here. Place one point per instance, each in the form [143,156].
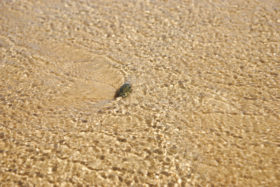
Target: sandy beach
[204,108]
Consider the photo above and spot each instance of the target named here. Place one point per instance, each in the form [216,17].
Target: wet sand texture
[205,106]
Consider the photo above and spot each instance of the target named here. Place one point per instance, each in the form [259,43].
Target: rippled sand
[205,106]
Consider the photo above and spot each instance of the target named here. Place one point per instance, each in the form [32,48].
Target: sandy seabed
[205,106]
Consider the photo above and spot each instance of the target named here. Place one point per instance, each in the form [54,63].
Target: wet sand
[204,110]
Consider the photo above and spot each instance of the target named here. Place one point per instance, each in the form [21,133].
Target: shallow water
[205,105]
